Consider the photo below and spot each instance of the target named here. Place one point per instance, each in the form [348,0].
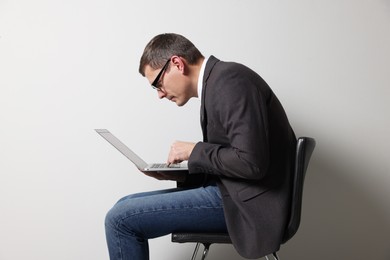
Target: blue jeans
[139,217]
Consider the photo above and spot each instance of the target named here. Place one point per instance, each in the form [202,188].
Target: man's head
[170,63]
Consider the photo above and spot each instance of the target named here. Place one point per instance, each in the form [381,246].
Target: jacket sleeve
[237,128]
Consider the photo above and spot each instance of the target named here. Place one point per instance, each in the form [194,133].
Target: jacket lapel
[203,114]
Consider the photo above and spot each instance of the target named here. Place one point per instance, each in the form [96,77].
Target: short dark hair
[164,46]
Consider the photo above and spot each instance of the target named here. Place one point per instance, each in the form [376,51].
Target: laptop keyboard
[164,165]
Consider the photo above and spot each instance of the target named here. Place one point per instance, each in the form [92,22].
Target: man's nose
[161,94]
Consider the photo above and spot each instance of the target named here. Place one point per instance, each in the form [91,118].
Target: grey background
[68,67]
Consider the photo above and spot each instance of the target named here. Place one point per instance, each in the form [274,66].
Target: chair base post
[274,255]
[205,251]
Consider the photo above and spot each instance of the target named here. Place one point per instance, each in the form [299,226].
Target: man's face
[172,85]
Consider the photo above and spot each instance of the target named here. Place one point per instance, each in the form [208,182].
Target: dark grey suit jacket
[249,147]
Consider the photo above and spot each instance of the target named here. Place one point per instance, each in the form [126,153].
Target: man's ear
[179,63]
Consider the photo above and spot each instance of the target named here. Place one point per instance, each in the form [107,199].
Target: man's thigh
[157,213]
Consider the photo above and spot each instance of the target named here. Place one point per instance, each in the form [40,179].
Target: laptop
[141,164]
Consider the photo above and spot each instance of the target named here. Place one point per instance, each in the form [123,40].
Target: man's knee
[111,220]
[120,217]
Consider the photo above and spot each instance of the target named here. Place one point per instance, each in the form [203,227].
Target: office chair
[304,150]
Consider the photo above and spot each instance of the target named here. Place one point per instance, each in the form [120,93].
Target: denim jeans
[139,217]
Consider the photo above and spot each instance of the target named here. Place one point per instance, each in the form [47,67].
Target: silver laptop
[141,164]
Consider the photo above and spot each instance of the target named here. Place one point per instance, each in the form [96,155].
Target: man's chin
[178,102]
[181,103]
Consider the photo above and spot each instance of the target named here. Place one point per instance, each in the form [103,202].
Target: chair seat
[204,238]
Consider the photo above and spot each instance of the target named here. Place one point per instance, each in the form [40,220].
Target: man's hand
[180,151]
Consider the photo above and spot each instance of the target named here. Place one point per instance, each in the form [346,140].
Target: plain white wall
[67,67]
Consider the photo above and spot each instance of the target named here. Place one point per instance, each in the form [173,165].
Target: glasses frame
[157,79]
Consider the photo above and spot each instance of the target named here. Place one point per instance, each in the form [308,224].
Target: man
[239,176]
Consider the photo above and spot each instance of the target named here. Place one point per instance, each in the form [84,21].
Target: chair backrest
[304,150]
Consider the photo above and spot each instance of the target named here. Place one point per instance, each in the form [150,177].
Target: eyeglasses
[157,79]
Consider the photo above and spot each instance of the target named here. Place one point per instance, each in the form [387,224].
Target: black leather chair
[304,150]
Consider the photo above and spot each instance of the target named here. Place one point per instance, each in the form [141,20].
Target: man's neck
[194,71]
